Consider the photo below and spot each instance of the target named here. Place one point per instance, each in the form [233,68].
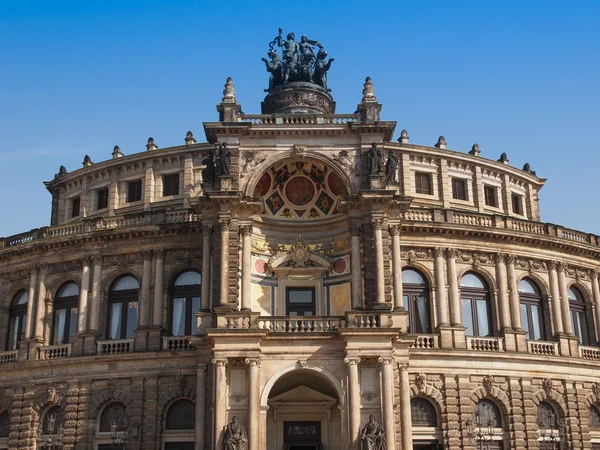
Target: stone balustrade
[55,351]
[177,343]
[485,344]
[544,348]
[293,324]
[9,357]
[115,346]
[587,352]
[425,341]
[295,119]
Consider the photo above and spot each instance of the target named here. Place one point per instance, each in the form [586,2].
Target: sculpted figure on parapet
[236,437]
[372,437]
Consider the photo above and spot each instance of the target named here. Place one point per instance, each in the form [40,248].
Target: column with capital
[83,296]
[207,228]
[96,288]
[144,303]
[225,224]
[564,299]
[596,296]
[440,287]
[455,310]
[379,265]
[397,267]
[387,403]
[246,231]
[200,421]
[253,403]
[357,285]
[503,301]
[40,315]
[555,292]
[513,294]
[159,274]
[220,367]
[353,401]
[30,323]
[406,423]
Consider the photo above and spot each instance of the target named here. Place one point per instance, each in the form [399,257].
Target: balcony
[55,351]
[177,343]
[9,357]
[543,348]
[115,346]
[485,344]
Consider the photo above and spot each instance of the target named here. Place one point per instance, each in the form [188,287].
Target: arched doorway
[303,413]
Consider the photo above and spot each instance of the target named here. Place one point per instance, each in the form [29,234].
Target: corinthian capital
[439,251]
[355,229]
[395,230]
[510,259]
[225,223]
[246,230]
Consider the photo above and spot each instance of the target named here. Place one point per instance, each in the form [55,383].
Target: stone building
[300,271]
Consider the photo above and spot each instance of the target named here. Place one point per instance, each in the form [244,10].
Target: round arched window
[415,291]
[181,415]
[66,313]
[52,420]
[487,412]
[185,302]
[113,413]
[422,413]
[531,310]
[547,417]
[579,320]
[17,322]
[123,308]
[475,305]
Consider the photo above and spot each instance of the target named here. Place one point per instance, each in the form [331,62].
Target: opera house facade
[329,287]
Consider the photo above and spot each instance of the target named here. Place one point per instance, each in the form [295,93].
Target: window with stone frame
[4,424]
[66,313]
[422,413]
[114,413]
[488,413]
[491,195]
[547,416]
[594,420]
[170,184]
[532,313]
[184,300]
[17,320]
[102,198]
[416,300]
[181,415]
[75,206]
[476,308]
[134,191]
[123,308]
[517,204]
[423,184]
[52,421]
[579,317]
[460,189]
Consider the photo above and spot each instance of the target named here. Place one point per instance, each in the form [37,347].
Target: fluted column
[596,295]
[555,290]
[397,267]
[353,402]
[406,423]
[96,287]
[503,301]
[206,241]
[380,278]
[220,366]
[30,301]
[144,303]
[357,286]
[564,299]
[246,267]
[453,288]
[40,314]
[225,224]
[387,403]
[83,296]
[159,273]
[253,402]
[200,421]
[513,294]
[440,287]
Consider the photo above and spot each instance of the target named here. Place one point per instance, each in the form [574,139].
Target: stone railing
[179,216]
[115,346]
[573,235]
[298,119]
[109,223]
[301,324]
[9,357]
[527,226]
[419,215]
[480,220]
[485,344]
[425,341]
[177,343]
[543,348]
[587,352]
[55,351]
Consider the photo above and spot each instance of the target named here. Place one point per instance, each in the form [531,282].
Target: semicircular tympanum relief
[300,190]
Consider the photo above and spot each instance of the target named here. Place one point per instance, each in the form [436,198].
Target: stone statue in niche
[391,167]
[375,160]
[371,436]
[208,174]
[223,160]
[236,437]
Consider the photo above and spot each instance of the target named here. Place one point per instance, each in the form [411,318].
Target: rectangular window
[517,204]
[300,301]
[170,184]
[467,316]
[134,191]
[75,205]
[525,320]
[459,189]
[102,201]
[491,196]
[483,318]
[423,183]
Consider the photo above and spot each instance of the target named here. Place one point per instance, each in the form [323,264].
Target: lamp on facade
[481,434]
[50,440]
[547,431]
[120,438]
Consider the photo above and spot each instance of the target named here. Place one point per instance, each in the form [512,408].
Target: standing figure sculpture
[275,67]
[236,437]
[307,58]
[375,160]
[208,174]
[372,437]
[321,68]
[391,167]
[291,53]
[223,160]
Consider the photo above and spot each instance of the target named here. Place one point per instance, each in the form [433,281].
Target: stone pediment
[299,261]
[302,395]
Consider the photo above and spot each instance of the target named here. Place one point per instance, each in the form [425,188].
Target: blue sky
[521,77]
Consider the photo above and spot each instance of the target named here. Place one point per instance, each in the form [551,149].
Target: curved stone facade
[301,292]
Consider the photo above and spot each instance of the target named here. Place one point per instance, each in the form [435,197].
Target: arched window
[123,308]
[114,412]
[181,415]
[416,301]
[594,421]
[579,321]
[475,305]
[66,313]
[422,413]
[185,301]
[4,424]
[532,316]
[52,421]
[17,320]
[547,417]
[487,412]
